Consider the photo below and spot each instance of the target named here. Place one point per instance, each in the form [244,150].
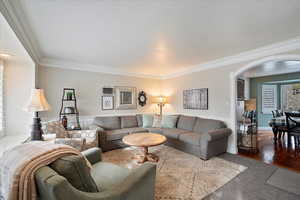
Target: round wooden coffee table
[145,140]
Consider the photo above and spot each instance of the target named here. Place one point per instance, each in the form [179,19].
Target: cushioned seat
[191,138]
[155,130]
[116,134]
[173,132]
[106,174]
[135,130]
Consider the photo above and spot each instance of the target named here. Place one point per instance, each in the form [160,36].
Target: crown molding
[91,68]
[15,17]
[276,48]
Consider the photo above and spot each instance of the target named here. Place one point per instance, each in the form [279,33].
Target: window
[269,98]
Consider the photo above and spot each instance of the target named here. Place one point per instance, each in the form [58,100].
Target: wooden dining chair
[293,127]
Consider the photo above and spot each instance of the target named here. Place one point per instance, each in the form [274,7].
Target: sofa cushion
[147,121]
[190,138]
[108,123]
[139,118]
[173,132]
[76,171]
[135,130]
[204,125]
[155,130]
[128,121]
[186,122]
[116,134]
[106,174]
[169,121]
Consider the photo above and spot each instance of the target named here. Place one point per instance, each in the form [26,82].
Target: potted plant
[69,95]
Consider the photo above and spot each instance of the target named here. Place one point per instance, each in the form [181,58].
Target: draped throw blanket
[18,166]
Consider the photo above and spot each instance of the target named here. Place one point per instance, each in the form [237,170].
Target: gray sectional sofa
[201,137]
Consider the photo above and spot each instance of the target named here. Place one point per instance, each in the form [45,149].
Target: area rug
[180,176]
[286,180]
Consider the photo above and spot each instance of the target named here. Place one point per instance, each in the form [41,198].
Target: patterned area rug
[180,176]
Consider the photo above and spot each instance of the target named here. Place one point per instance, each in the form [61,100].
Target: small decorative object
[69,96]
[64,122]
[125,98]
[195,99]
[37,103]
[142,98]
[69,110]
[160,101]
[107,102]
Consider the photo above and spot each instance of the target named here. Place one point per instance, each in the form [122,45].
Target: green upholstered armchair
[68,179]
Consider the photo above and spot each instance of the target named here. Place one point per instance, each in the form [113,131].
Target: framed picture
[195,99]
[125,98]
[107,102]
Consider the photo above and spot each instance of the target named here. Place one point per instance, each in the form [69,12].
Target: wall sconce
[160,101]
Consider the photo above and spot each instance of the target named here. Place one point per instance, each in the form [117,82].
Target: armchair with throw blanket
[70,178]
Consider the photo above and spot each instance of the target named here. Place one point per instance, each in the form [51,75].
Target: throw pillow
[156,121]
[147,121]
[169,121]
[76,171]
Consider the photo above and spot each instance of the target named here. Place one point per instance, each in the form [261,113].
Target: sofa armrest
[93,155]
[217,134]
[95,127]
[138,185]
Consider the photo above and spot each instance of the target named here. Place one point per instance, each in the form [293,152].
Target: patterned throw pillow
[156,121]
[55,127]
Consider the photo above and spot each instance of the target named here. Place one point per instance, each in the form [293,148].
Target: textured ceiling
[156,37]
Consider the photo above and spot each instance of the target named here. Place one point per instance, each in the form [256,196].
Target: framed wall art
[195,99]
[125,98]
[107,102]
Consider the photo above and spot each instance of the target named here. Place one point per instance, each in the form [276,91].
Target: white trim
[14,14]
[90,68]
[276,48]
[15,17]
[233,76]
[272,49]
[264,128]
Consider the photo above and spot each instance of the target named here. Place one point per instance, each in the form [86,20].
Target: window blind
[269,98]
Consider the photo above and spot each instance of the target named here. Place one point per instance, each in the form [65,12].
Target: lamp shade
[37,101]
[160,100]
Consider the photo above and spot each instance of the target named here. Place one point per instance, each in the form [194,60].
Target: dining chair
[293,128]
[282,129]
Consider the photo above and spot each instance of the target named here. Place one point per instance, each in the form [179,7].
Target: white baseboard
[264,128]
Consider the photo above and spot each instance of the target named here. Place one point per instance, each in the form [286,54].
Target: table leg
[147,156]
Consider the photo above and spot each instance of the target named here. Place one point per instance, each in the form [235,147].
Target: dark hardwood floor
[276,154]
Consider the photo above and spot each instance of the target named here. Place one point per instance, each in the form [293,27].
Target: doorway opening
[263,86]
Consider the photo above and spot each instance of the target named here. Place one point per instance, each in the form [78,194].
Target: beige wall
[88,87]
[89,84]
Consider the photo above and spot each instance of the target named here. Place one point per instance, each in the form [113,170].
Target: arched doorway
[233,83]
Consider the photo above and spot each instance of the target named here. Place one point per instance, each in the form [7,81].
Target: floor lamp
[160,101]
[37,103]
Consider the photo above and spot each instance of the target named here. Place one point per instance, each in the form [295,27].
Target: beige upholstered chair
[79,139]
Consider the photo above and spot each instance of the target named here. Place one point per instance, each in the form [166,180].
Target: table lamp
[37,103]
[160,101]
